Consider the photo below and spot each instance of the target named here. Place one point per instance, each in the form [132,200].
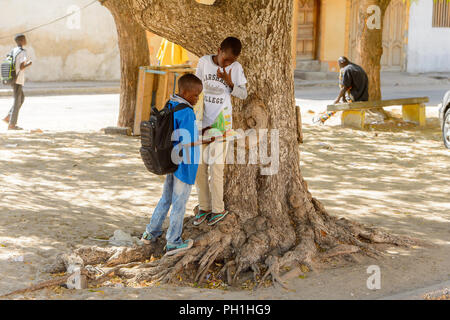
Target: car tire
[446,129]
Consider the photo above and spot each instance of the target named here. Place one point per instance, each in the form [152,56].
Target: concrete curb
[62,91]
[418,294]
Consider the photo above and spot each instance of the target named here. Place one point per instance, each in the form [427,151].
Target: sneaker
[185,245]
[201,216]
[147,238]
[216,217]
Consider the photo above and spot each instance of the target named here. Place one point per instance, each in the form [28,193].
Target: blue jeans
[175,193]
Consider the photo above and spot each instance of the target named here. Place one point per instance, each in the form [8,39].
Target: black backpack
[8,68]
[156,140]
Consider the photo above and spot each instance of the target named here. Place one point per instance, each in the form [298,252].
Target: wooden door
[353,32]
[393,36]
[394,26]
[306,29]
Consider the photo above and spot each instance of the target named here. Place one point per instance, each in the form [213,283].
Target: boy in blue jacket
[178,185]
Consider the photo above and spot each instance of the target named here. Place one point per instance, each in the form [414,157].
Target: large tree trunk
[370,42]
[134,53]
[274,221]
[270,213]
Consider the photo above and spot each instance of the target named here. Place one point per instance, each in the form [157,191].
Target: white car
[444,117]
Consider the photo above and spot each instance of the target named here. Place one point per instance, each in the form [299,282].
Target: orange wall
[332,34]
[333,31]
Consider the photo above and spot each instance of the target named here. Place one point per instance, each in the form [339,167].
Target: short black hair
[19,37]
[188,82]
[233,44]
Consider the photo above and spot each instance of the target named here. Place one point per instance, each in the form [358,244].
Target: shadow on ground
[62,190]
[395,178]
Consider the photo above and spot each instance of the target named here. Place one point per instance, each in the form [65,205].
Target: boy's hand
[226,77]
[25,64]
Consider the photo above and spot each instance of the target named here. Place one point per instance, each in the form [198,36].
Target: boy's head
[189,88]
[229,51]
[21,40]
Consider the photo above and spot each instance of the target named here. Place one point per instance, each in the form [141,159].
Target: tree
[134,53]
[275,222]
[370,42]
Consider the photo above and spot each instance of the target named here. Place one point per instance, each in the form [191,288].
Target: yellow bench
[353,114]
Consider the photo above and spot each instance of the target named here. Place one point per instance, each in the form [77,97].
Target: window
[441,14]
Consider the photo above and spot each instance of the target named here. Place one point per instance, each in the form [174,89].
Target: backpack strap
[21,49]
[15,57]
[11,53]
[181,106]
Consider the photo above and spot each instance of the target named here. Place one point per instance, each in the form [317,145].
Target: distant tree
[370,42]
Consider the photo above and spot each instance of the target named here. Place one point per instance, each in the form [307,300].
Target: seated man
[354,85]
[353,82]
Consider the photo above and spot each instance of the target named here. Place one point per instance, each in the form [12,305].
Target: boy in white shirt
[21,63]
[222,76]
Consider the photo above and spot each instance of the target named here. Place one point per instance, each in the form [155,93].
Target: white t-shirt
[217,94]
[21,57]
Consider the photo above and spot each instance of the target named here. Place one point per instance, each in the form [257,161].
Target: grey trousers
[19,97]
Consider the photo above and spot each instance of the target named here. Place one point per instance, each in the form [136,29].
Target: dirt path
[59,190]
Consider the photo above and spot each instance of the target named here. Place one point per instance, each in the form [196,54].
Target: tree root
[111,272]
[228,269]
[320,237]
[42,285]
[274,271]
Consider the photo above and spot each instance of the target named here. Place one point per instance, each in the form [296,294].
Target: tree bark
[370,43]
[274,222]
[134,53]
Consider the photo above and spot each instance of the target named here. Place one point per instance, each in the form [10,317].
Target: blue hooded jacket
[185,132]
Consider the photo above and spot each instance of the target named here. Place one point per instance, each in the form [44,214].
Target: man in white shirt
[21,63]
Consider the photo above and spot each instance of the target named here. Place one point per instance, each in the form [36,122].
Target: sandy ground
[59,189]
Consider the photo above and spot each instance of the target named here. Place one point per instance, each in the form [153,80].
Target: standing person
[353,82]
[222,77]
[21,62]
[178,185]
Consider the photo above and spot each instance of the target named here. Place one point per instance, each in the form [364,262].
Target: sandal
[201,216]
[15,128]
[217,217]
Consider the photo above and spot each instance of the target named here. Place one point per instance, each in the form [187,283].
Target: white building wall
[428,48]
[80,47]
